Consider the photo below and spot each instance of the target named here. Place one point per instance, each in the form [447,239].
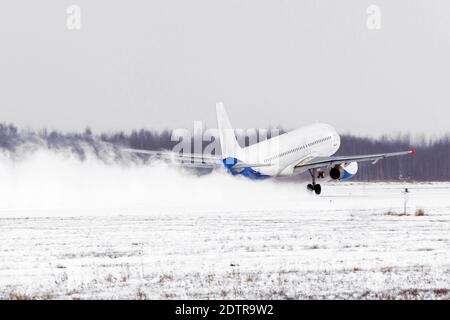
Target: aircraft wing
[191,160]
[327,162]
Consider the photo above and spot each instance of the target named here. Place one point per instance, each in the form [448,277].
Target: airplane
[310,148]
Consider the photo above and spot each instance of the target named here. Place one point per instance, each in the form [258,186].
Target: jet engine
[344,171]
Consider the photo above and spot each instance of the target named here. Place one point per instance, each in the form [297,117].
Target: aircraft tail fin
[228,142]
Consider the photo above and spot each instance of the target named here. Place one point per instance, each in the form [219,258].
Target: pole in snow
[405,199]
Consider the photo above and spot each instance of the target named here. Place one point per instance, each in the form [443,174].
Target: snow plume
[35,180]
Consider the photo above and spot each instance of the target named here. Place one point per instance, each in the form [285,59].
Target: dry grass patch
[165,278]
[441,291]
[420,213]
[141,295]
[395,214]
[24,296]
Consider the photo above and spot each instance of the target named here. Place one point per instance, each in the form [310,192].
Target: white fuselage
[282,153]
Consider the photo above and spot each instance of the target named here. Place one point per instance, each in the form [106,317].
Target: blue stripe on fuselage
[246,172]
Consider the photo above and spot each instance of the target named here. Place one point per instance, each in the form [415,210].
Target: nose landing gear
[314,186]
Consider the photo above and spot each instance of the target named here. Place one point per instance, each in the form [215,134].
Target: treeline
[430,163]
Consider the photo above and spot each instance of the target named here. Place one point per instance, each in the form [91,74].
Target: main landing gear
[314,186]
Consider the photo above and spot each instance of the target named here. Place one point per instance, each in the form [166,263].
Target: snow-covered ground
[88,230]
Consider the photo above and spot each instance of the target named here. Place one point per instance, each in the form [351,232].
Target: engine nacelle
[344,171]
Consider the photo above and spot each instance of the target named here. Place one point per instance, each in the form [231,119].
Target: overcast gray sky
[165,63]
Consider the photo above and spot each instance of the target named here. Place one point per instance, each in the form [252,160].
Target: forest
[430,163]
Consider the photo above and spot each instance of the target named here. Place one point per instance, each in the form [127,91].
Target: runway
[352,242]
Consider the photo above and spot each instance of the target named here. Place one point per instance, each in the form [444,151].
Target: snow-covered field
[89,230]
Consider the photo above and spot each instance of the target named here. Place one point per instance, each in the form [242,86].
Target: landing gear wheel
[317,189]
[313,186]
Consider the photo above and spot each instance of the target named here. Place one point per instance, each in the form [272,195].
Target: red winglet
[413,152]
